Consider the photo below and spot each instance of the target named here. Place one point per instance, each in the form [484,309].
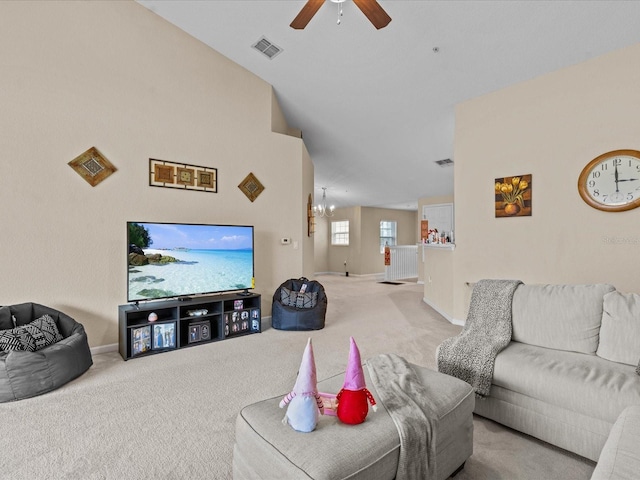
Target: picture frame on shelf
[199,331]
[255,320]
[164,336]
[140,340]
[194,333]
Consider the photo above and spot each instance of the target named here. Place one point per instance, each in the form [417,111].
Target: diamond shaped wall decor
[92,166]
[251,187]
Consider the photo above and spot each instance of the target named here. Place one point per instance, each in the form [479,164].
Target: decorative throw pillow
[298,299]
[44,331]
[17,339]
[620,329]
[306,300]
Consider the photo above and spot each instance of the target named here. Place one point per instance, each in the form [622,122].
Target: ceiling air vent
[267,48]
[445,163]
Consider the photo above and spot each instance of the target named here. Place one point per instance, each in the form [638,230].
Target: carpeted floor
[171,416]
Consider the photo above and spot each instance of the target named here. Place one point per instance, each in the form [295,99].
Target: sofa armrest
[620,457]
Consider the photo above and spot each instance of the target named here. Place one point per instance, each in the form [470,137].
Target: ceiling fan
[371,9]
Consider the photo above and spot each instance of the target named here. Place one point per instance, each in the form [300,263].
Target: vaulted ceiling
[376,107]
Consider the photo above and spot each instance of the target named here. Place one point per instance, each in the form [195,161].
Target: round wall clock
[611,181]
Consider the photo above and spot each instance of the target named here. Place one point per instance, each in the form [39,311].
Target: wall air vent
[445,163]
[267,48]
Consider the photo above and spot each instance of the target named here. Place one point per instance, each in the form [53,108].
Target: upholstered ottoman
[265,448]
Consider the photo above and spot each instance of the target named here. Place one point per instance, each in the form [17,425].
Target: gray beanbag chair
[44,358]
[293,310]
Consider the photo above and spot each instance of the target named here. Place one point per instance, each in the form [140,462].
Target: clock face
[611,182]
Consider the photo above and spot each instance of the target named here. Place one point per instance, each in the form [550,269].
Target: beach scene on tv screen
[172,260]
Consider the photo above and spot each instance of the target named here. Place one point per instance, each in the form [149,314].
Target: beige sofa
[570,369]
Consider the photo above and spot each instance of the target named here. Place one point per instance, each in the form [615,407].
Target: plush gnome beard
[353,398]
[304,402]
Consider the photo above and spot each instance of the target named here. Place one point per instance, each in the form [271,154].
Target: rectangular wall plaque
[183,176]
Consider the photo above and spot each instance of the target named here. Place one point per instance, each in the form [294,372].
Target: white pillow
[620,329]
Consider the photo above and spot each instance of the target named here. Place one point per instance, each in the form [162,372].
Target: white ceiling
[376,107]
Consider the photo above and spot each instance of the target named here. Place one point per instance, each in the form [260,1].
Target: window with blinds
[388,234]
[340,232]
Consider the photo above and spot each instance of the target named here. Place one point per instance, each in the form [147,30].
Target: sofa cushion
[563,317]
[44,331]
[16,339]
[586,384]
[620,330]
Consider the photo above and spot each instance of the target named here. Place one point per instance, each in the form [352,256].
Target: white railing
[404,263]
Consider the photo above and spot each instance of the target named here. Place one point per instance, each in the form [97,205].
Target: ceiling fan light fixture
[370,8]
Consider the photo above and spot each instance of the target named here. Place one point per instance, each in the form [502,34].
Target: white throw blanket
[470,356]
[409,405]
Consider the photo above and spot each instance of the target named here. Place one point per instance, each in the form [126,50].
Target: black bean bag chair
[41,349]
[292,309]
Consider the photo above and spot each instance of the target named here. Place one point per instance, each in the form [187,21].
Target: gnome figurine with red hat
[352,399]
[304,402]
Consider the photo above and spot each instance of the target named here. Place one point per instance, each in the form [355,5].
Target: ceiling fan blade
[306,14]
[374,12]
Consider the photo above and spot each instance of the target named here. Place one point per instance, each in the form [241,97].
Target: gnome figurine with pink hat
[304,402]
[352,399]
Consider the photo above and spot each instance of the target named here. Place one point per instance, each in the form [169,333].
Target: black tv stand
[186,322]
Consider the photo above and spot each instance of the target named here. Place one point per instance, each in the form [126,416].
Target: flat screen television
[169,260]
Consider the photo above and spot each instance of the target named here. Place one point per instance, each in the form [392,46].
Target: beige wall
[339,254]
[438,279]
[550,127]
[363,255]
[115,76]
[321,243]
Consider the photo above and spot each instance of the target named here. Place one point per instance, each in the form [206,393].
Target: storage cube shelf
[184,323]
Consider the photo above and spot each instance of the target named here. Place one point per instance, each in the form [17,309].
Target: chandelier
[322,210]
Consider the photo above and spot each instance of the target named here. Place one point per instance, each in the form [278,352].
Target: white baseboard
[449,318]
[113,347]
[379,276]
